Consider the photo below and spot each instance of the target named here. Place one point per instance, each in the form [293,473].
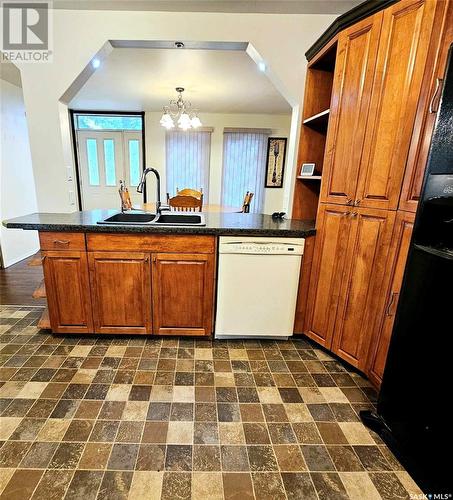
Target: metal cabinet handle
[61,242]
[354,214]
[356,203]
[389,311]
[348,201]
[439,84]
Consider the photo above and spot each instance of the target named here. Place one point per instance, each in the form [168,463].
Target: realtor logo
[26,30]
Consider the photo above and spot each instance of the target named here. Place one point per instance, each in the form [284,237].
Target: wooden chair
[246,203]
[190,192]
[185,203]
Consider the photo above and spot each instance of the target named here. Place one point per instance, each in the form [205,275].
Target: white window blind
[244,166]
[187,160]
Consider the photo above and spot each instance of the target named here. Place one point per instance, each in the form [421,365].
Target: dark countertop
[219,224]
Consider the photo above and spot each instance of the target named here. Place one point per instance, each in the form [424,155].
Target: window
[187,159]
[134,161]
[109,160]
[108,122]
[244,166]
[93,166]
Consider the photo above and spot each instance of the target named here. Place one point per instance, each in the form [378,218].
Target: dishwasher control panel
[262,247]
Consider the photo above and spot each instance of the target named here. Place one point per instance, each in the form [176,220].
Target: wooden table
[213,208]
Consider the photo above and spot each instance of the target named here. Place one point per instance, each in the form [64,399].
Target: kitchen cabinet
[121,288]
[183,293]
[403,48]
[367,250]
[332,232]
[347,273]
[385,318]
[353,80]
[68,291]
[441,39]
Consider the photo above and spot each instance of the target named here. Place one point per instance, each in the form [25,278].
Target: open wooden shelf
[44,322]
[319,121]
[313,132]
[40,292]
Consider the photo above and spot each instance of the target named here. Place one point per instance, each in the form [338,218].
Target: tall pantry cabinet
[381,74]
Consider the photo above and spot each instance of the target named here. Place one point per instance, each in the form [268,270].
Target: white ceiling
[216,81]
[264,6]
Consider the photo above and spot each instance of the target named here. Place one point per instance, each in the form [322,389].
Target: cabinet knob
[356,203]
[354,214]
[348,201]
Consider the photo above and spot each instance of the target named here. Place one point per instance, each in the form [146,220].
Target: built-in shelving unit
[318,122]
[313,133]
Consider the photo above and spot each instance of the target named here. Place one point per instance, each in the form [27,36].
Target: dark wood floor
[18,282]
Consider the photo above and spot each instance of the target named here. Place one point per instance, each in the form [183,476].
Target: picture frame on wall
[275,166]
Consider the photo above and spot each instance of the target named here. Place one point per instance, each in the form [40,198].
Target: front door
[105,158]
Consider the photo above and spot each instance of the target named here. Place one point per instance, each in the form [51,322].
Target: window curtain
[244,166]
[187,160]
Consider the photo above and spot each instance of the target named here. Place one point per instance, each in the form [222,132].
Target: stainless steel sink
[165,219]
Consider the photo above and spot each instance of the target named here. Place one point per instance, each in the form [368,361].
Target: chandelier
[180,113]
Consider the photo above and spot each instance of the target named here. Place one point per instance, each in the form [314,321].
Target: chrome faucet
[141,184]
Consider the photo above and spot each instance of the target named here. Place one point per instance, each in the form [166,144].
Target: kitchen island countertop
[219,224]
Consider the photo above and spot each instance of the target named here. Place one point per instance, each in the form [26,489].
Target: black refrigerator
[414,411]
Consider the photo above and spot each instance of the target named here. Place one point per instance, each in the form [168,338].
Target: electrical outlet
[71,197]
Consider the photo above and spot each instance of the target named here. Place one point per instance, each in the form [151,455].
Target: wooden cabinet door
[68,291]
[403,47]
[427,106]
[183,293]
[333,226]
[353,79]
[368,247]
[385,318]
[121,287]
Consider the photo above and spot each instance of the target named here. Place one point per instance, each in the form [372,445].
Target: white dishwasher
[257,286]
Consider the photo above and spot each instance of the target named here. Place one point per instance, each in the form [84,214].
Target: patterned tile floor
[116,418]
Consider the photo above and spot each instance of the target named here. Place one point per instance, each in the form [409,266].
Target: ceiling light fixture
[262,66]
[95,63]
[180,113]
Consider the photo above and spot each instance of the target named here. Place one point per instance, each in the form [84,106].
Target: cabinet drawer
[151,243]
[62,241]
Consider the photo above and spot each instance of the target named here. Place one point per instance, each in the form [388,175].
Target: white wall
[155,149]
[17,185]
[280,39]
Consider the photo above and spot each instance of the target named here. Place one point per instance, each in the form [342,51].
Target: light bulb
[95,63]
[166,121]
[184,121]
[195,122]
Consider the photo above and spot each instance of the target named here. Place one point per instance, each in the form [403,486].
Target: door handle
[433,105]
[390,307]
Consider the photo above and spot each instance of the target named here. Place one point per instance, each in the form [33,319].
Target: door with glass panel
[105,159]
